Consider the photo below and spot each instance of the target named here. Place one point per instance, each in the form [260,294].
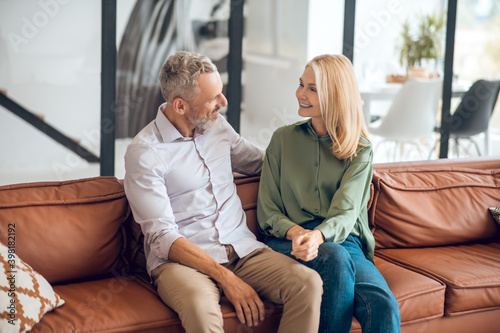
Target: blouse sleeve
[271,212]
[351,198]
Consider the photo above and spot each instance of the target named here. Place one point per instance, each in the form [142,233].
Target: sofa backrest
[248,189]
[433,204]
[417,204]
[66,230]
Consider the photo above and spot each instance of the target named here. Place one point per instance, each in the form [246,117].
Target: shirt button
[315,188]
[316,163]
[316,211]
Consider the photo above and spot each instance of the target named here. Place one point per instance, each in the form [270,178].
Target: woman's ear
[179,105]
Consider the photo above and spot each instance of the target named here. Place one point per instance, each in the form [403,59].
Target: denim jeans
[352,285]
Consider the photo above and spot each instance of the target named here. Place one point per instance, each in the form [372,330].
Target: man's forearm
[186,253]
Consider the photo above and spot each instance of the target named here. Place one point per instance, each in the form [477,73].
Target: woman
[313,197]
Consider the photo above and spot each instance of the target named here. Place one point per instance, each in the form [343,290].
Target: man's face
[204,110]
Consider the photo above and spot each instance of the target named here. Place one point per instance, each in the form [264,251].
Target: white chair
[411,116]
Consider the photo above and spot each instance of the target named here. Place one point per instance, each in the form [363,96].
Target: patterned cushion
[25,296]
[495,212]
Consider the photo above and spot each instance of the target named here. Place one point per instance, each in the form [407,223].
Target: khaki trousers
[275,277]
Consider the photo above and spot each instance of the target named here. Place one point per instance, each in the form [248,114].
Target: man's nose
[223,101]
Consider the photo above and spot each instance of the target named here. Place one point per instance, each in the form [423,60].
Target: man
[179,183]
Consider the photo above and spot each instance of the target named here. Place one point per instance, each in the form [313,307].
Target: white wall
[325,27]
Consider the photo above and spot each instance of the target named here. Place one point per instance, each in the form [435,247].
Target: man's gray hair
[179,74]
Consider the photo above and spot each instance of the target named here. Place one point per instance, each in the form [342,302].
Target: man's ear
[179,105]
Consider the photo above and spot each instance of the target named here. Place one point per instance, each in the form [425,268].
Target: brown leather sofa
[437,246]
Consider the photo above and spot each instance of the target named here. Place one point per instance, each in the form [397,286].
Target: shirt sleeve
[271,212]
[350,200]
[146,192]
[246,157]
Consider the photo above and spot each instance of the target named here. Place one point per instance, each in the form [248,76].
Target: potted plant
[424,46]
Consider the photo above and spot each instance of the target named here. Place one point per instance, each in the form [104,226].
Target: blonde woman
[313,195]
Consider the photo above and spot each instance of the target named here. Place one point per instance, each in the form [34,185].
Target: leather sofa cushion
[470,273]
[420,297]
[117,304]
[433,206]
[66,230]
[126,304]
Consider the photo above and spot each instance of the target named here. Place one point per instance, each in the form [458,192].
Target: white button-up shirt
[183,187]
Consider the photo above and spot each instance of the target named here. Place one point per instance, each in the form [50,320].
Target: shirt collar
[167,130]
[306,125]
[303,122]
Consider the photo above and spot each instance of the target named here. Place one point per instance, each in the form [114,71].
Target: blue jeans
[352,285]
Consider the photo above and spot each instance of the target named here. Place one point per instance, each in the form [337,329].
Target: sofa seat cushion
[420,207]
[470,272]
[420,297]
[66,230]
[117,304]
[126,304]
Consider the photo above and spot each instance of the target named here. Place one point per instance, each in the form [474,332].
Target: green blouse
[303,181]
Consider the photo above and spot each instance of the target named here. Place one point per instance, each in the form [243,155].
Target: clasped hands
[305,242]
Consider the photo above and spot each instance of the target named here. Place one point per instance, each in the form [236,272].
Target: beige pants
[275,277]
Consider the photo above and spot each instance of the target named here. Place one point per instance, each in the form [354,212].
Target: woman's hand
[305,243]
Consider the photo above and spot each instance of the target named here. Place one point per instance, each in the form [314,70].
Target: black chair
[472,115]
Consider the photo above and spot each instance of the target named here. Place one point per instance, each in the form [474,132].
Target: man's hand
[248,305]
[305,243]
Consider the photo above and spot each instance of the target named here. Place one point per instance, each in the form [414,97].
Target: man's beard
[203,123]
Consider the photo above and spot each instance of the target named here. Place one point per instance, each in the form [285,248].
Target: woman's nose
[300,93]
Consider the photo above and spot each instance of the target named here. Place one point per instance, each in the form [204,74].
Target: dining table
[387,91]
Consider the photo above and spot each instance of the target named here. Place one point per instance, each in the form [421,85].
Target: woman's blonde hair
[340,103]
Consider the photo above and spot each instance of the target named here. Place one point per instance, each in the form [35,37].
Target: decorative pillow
[25,296]
[495,212]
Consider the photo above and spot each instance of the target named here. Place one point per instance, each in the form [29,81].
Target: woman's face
[307,95]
